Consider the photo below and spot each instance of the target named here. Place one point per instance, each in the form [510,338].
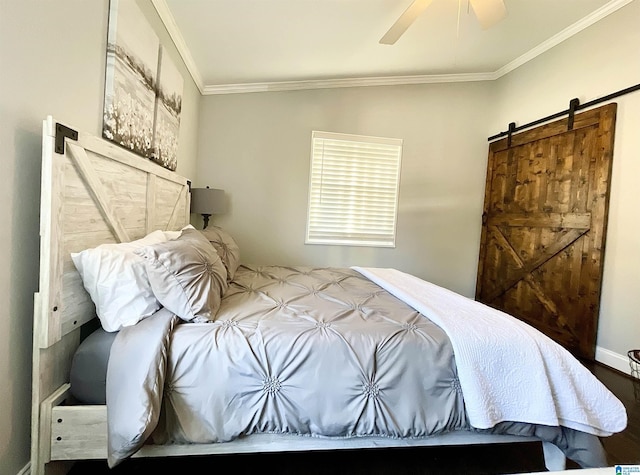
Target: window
[353,190]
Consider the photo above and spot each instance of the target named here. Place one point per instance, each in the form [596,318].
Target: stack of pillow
[186,271]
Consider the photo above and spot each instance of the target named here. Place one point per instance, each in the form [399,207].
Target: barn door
[544,226]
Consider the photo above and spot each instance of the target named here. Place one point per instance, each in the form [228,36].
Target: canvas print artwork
[143,88]
[167,117]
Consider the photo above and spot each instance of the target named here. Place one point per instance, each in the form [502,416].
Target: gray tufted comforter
[297,350]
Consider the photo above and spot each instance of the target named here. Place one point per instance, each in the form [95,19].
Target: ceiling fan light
[488,12]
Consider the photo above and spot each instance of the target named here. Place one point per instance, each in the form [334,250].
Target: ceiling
[232,46]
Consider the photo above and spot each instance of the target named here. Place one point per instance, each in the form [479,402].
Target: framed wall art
[143,88]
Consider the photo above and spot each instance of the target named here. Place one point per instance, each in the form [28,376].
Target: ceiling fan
[488,12]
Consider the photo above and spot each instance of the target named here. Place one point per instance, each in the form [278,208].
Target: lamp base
[205,219]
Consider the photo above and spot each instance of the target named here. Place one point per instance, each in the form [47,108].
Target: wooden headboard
[93,192]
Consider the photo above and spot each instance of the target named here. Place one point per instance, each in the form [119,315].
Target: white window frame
[350,175]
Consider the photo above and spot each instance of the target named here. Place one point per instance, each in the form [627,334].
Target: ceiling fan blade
[489,12]
[405,20]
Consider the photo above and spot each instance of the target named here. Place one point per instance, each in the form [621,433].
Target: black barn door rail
[574,106]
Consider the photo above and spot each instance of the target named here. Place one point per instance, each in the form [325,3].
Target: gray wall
[257,148]
[52,60]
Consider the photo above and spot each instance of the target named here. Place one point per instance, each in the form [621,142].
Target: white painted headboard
[93,192]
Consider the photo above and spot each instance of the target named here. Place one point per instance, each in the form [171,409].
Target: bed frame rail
[80,432]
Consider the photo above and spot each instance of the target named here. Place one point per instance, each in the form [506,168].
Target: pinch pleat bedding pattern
[311,351]
[321,352]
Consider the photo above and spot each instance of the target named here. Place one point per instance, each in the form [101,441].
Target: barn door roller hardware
[512,129]
[574,106]
[63,131]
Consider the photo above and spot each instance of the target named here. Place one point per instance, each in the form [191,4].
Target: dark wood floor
[622,448]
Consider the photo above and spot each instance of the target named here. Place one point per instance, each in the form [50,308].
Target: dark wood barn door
[544,226]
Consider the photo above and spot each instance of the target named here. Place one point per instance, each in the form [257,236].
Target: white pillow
[171,235]
[117,281]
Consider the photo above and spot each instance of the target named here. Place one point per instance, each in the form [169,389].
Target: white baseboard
[26,470]
[615,360]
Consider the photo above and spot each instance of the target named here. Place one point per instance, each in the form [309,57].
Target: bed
[210,355]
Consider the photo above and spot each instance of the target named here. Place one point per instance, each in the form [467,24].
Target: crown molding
[564,35]
[173,30]
[350,82]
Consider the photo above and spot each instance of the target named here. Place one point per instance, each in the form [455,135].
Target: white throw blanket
[508,370]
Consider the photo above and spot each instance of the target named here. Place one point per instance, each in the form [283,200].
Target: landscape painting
[167,114]
[143,89]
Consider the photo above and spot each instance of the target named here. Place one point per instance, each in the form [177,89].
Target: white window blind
[353,189]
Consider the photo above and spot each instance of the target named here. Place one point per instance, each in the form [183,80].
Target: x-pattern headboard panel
[94,192]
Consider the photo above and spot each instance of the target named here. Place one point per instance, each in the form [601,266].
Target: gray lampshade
[207,201]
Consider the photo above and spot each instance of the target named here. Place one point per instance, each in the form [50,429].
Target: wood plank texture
[80,433]
[94,193]
[544,226]
[98,193]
